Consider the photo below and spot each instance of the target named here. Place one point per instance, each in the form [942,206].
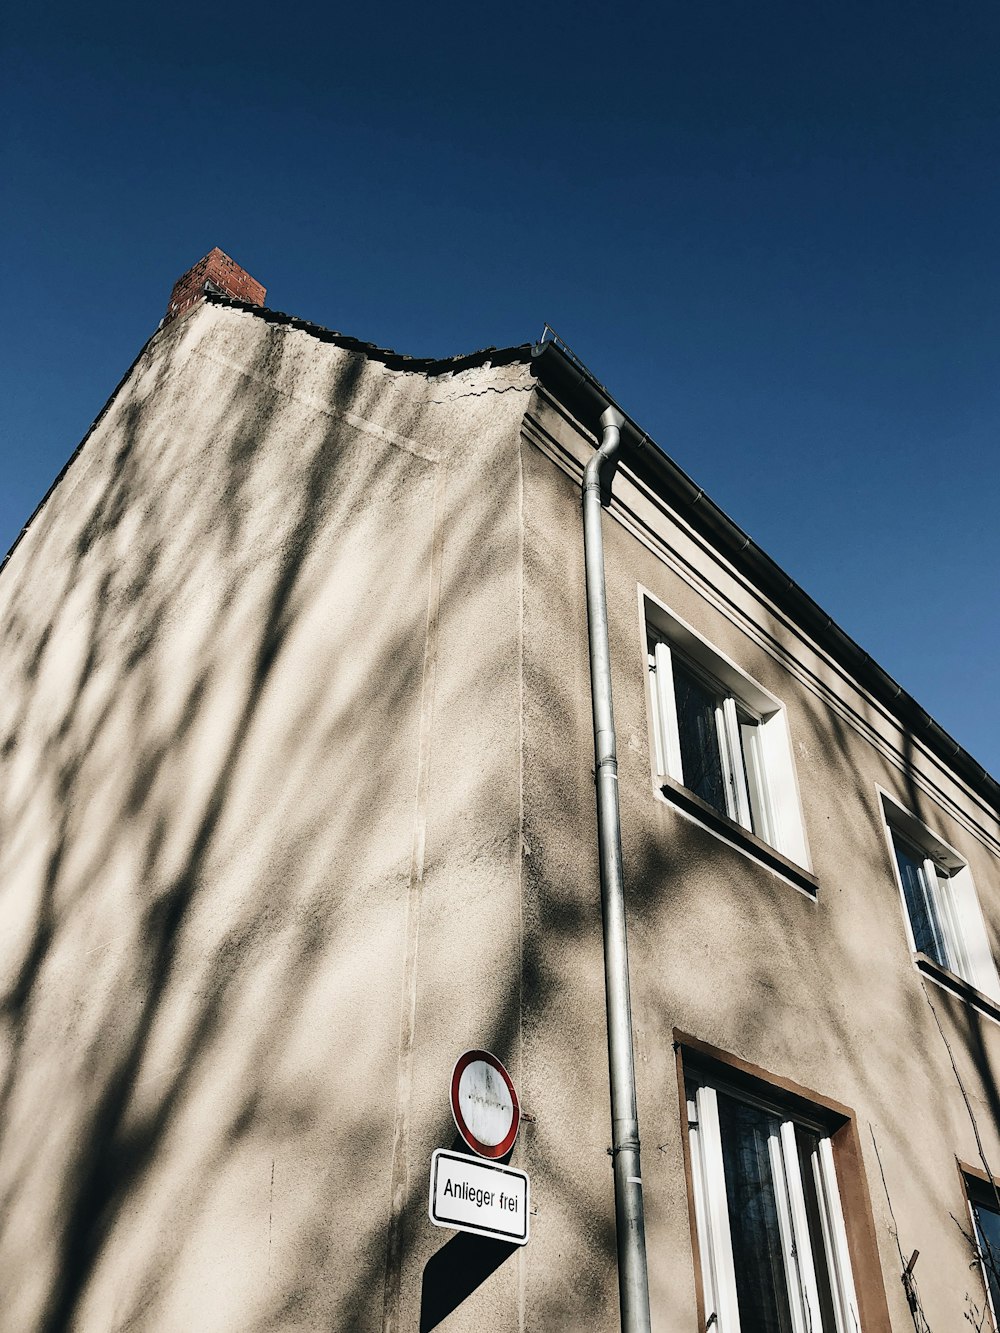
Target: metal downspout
[633,1287]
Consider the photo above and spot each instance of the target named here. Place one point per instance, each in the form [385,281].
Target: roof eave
[579,391]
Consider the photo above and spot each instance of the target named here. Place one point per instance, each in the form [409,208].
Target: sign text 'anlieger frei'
[482,1197]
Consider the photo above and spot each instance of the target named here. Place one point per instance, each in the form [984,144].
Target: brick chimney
[215,273]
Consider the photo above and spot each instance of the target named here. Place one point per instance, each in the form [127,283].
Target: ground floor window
[770,1224]
[984,1203]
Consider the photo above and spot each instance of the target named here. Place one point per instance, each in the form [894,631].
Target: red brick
[222,272]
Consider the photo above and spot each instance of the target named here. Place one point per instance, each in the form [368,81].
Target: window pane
[761,1288]
[753,766]
[808,1146]
[698,732]
[988,1226]
[920,905]
[954,943]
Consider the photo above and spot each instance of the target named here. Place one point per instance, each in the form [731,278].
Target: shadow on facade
[157,1016]
[184,810]
[455,1272]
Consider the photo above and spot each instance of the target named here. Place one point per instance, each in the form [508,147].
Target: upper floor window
[930,905]
[941,910]
[717,743]
[721,736]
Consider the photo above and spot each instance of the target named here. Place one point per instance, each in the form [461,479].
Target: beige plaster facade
[297,804]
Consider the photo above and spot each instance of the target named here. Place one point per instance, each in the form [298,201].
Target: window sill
[736,834]
[957,986]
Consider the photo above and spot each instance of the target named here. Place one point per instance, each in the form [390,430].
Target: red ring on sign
[493,1150]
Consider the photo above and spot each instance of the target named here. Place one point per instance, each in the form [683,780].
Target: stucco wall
[247,764]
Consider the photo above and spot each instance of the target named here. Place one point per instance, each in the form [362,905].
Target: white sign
[482,1197]
[484,1104]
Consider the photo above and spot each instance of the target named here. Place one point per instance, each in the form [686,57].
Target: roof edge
[493,356]
[76,452]
[570,381]
[574,385]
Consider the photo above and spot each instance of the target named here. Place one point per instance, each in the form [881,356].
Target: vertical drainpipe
[633,1287]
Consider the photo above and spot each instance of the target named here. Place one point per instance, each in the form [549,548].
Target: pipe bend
[611,438]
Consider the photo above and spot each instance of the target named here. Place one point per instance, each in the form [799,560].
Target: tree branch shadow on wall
[122,595]
[127,589]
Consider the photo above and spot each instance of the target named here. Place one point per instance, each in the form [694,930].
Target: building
[298,805]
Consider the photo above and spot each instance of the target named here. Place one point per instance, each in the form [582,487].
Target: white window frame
[954,912]
[712,1219]
[758,772]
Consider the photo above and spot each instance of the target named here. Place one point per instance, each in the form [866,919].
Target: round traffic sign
[484,1104]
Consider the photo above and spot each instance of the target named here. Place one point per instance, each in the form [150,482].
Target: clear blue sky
[770,228]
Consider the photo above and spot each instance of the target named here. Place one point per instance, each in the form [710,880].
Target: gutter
[573,384]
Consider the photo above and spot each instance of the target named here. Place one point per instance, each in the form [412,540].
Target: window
[720,736]
[984,1204]
[771,1230]
[717,743]
[930,905]
[941,910]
